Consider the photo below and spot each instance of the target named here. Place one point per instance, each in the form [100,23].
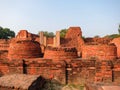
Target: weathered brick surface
[60,53]
[97,40]
[49,41]
[62,63]
[104,71]
[73,38]
[101,52]
[116,41]
[116,71]
[48,69]
[3,54]
[24,49]
[24,46]
[4,44]
[80,71]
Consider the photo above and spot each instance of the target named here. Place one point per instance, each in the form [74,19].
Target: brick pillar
[41,38]
[54,41]
[57,39]
[45,44]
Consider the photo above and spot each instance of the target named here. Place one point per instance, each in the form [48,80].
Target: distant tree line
[6,33]
[114,35]
[64,31]
[51,34]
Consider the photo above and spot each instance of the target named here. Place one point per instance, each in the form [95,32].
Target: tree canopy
[51,34]
[119,29]
[113,36]
[6,33]
[63,32]
[48,34]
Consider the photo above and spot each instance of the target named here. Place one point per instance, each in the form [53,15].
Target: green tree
[97,36]
[63,32]
[112,36]
[48,34]
[6,33]
[119,29]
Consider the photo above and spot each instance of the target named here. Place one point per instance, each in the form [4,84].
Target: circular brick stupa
[23,47]
[62,53]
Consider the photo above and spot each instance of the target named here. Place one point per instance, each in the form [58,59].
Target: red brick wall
[49,40]
[77,71]
[104,72]
[80,71]
[116,41]
[72,36]
[4,44]
[101,52]
[48,69]
[97,40]
[60,53]
[3,54]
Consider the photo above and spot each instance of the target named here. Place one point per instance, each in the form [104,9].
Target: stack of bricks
[104,71]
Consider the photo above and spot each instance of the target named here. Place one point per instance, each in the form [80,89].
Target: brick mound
[101,52]
[60,53]
[21,82]
[24,49]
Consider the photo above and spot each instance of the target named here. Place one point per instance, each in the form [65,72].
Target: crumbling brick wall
[62,53]
[4,44]
[3,54]
[116,41]
[116,71]
[47,68]
[80,71]
[104,71]
[100,52]
[72,37]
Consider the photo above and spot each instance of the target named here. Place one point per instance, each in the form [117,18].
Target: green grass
[79,87]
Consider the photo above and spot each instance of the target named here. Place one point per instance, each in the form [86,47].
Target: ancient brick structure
[60,53]
[68,60]
[24,49]
[4,44]
[116,41]
[72,36]
[23,46]
[99,52]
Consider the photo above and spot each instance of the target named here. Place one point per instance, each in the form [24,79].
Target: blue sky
[95,17]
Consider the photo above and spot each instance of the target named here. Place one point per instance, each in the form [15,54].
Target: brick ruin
[68,60]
